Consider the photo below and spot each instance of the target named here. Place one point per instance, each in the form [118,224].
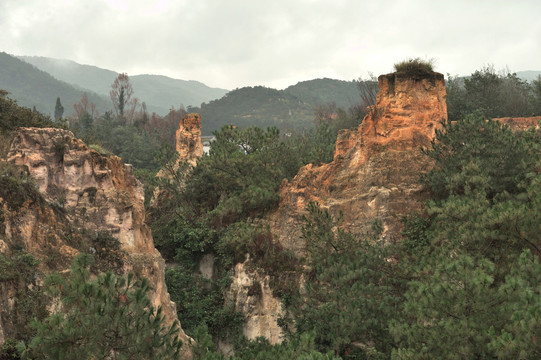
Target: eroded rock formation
[188,138]
[253,296]
[374,177]
[85,194]
[376,167]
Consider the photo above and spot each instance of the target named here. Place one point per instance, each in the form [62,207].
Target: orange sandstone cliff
[84,194]
[188,138]
[374,177]
[375,172]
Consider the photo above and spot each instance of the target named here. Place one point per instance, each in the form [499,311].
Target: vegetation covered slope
[32,87]
[290,109]
[467,269]
[160,93]
[107,316]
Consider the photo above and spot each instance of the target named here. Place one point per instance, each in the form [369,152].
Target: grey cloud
[236,43]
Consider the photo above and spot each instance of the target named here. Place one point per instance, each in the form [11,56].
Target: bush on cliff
[414,67]
[13,116]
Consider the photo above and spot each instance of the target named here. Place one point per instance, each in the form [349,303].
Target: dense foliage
[212,209]
[493,95]
[349,290]
[107,318]
[481,233]
[290,110]
[463,283]
[13,116]
[455,276]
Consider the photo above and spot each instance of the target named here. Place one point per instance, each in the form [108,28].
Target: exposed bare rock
[188,138]
[521,123]
[188,146]
[85,193]
[376,168]
[253,297]
[374,177]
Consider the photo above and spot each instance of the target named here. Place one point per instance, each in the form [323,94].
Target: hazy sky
[275,43]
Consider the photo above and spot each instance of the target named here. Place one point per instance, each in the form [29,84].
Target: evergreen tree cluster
[493,94]
[110,317]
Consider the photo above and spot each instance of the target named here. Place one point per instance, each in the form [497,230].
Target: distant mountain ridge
[159,92]
[288,109]
[33,87]
[38,81]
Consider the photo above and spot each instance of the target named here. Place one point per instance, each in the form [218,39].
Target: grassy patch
[415,67]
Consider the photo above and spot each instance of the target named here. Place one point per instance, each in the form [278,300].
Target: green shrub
[414,67]
[13,116]
[16,187]
[200,301]
[18,269]
[99,149]
[102,318]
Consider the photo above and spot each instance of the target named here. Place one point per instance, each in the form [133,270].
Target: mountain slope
[321,91]
[33,87]
[292,108]
[164,92]
[158,92]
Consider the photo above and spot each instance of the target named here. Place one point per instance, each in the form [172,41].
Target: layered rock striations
[85,194]
[375,172]
[374,177]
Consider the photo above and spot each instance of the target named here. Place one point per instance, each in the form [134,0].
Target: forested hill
[289,109]
[159,93]
[343,93]
[33,87]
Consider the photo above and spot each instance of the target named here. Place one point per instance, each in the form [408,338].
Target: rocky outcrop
[85,194]
[521,123]
[253,296]
[189,147]
[376,167]
[374,177]
[188,138]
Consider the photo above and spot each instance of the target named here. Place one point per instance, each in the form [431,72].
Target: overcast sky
[275,43]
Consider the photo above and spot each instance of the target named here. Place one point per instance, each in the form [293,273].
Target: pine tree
[449,312]
[107,318]
[58,109]
[520,337]
[350,291]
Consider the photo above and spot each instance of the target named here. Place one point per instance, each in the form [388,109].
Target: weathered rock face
[374,176]
[521,123]
[406,114]
[85,192]
[188,145]
[376,168]
[188,138]
[253,296]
